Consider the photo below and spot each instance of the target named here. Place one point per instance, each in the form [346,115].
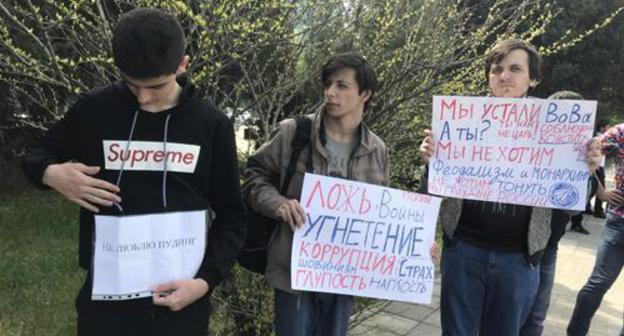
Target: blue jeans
[609,262]
[312,314]
[485,292]
[534,324]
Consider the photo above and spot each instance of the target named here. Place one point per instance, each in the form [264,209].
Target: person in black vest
[491,250]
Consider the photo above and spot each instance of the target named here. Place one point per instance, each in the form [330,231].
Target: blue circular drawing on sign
[563,195]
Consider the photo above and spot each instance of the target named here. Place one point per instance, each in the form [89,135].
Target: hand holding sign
[594,155]
[292,213]
[435,253]
[427,146]
[181,293]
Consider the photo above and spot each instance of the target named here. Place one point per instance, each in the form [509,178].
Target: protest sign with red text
[364,240]
[519,151]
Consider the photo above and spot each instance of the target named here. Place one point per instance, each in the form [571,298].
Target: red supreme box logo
[149,155]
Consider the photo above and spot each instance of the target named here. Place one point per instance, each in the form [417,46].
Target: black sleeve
[227,232]
[424,178]
[558,223]
[58,144]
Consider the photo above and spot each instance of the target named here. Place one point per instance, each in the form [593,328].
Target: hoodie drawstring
[123,162]
[164,180]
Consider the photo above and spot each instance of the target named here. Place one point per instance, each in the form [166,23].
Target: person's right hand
[292,213]
[593,156]
[72,180]
[614,197]
[426,147]
[435,252]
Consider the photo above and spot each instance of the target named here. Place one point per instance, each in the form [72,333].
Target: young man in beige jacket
[340,146]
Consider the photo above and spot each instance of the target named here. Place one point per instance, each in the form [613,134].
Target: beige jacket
[266,170]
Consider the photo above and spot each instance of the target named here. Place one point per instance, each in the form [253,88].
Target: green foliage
[259,60]
[244,305]
[422,48]
[592,67]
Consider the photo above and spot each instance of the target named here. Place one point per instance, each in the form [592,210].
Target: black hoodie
[194,139]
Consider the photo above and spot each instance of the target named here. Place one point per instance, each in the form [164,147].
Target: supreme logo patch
[149,155]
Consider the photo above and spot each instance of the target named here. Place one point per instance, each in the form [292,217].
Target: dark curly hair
[147,43]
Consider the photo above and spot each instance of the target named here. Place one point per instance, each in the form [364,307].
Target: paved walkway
[575,261]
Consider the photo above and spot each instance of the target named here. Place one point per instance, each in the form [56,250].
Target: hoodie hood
[188,92]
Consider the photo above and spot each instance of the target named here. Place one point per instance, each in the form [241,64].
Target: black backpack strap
[299,142]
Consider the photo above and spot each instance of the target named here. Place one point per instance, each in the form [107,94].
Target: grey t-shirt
[338,154]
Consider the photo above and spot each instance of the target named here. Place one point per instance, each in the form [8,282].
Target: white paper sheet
[135,253]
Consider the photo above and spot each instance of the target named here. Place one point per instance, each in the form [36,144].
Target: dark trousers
[577,220]
[534,323]
[600,173]
[138,317]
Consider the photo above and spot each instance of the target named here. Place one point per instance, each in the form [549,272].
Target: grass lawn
[39,273]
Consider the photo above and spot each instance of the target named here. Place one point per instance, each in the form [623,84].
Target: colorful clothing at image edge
[608,265]
[610,251]
[612,143]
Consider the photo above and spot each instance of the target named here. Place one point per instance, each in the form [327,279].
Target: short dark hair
[503,48]
[364,72]
[602,123]
[565,95]
[147,43]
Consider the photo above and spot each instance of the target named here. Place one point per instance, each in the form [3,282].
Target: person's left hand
[434,252]
[180,293]
[593,156]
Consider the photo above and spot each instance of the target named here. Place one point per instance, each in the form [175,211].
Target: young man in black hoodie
[175,152]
